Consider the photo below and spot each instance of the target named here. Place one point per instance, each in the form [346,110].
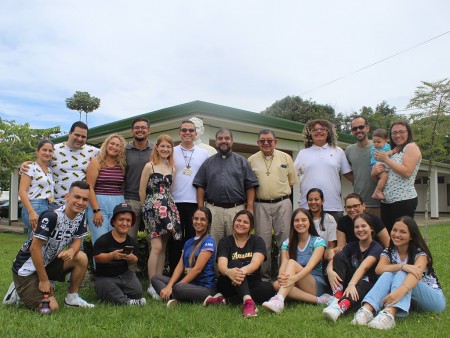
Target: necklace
[187,162]
[267,163]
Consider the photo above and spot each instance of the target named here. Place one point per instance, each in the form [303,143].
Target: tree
[294,108]
[432,100]
[17,143]
[83,102]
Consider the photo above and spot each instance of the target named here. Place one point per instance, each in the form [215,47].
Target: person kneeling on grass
[113,253]
[408,280]
[351,272]
[45,255]
[300,276]
[195,268]
[239,258]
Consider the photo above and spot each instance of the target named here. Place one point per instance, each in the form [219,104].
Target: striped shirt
[110,181]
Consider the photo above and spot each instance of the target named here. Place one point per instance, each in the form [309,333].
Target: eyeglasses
[268,141]
[400,132]
[185,130]
[315,130]
[140,128]
[361,127]
[354,207]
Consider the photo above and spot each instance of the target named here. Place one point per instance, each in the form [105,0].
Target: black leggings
[253,286]
[390,212]
[343,268]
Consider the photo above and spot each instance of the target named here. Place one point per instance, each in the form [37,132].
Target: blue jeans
[106,204]
[423,297]
[39,205]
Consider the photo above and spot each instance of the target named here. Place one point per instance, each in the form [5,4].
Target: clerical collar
[225,156]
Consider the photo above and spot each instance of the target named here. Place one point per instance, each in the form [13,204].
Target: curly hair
[331,130]
[120,159]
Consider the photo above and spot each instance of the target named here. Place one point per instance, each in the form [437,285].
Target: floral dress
[159,211]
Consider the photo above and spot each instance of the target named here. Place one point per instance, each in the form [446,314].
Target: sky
[139,56]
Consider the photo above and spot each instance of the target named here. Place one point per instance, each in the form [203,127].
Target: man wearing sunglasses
[138,154]
[275,172]
[188,158]
[358,156]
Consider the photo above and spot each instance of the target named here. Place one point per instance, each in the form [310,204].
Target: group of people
[214,214]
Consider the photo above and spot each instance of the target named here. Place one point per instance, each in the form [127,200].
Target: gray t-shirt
[136,161]
[363,183]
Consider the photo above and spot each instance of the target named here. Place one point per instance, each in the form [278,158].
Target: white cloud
[144,55]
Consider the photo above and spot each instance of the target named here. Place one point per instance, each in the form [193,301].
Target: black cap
[123,207]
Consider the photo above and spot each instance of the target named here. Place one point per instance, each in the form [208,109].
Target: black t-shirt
[354,255]
[345,224]
[228,248]
[106,244]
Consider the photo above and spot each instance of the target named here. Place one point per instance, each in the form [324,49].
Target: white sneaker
[274,304]
[152,292]
[383,321]
[172,303]
[332,311]
[362,316]
[141,302]
[76,301]
[11,296]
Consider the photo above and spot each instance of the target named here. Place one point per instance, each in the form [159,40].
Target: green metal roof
[210,109]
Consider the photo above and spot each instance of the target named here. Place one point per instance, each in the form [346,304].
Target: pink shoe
[218,298]
[249,309]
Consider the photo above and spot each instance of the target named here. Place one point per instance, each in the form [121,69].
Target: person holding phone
[113,253]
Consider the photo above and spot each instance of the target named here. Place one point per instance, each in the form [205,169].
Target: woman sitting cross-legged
[351,272]
[407,280]
[193,277]
[300,276]
[239,259]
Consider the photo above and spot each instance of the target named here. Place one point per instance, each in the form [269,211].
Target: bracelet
[401,267]
[407,288]
[351,284]
[225,273]
[95,211]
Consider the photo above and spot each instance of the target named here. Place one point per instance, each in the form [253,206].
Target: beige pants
[222,221]
[268,216]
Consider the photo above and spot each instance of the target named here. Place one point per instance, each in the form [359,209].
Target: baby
[380,143]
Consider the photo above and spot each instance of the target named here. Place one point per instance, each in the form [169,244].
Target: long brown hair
[199,242]
[293,235]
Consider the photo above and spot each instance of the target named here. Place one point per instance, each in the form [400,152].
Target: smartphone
[128,249]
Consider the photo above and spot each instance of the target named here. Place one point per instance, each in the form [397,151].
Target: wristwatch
[96,210]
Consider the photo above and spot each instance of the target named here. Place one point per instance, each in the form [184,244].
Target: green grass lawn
[187,320]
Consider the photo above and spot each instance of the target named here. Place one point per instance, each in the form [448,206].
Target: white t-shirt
[41,185]
[182,189]
[320,167]
[329,223]
[69,165]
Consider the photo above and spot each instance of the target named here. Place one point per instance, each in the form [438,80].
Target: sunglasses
[361,127]
[262,141]
[185,130]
